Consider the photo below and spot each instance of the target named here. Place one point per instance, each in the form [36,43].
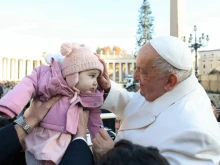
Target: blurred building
[209,71]
[119,66]
[14,68]
[209,60]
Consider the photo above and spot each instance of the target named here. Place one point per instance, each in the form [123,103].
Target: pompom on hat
[174,51]
[78,58]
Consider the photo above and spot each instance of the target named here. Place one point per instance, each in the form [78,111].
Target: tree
[98,50]
[117,50]
[145,26]
[106,49]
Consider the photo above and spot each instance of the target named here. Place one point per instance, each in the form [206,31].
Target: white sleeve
[191,147]
[117,99]
[80,138]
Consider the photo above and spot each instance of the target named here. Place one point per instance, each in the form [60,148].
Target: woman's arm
[9,142]
[13,135]
[78,152]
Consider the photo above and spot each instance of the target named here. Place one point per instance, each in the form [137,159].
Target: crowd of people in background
[6,86]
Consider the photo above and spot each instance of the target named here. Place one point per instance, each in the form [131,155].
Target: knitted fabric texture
[78,58]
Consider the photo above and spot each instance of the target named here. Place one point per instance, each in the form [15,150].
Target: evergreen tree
[145,26]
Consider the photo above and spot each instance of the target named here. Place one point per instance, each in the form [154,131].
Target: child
[75,78]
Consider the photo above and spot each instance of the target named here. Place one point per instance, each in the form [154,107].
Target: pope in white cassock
[171,111]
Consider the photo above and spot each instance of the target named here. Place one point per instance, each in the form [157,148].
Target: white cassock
[180,123]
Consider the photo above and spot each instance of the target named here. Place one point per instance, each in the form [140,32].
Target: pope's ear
[171,82]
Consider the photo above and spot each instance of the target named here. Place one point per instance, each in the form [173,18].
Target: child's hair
[127,153]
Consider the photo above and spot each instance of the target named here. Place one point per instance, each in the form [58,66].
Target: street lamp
[196,45]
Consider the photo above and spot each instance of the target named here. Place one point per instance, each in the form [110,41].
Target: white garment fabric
[180,123]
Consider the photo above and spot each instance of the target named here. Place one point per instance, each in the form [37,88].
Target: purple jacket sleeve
[15,100]
[94,121]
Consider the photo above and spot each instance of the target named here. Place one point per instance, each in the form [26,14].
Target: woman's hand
[37,110]
[82,123]
[34,114]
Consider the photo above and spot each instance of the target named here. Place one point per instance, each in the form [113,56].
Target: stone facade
[119,66]
[209,60]
[211,81]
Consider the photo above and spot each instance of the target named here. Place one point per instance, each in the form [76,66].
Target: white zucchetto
[174,51]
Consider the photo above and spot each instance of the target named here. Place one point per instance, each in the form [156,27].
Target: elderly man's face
[151,80]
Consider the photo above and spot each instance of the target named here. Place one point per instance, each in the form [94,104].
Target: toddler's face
[88,81]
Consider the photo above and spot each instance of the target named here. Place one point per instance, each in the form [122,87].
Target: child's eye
[92,76]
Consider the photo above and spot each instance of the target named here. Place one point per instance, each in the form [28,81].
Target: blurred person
[117,124]
[6,88]
[1,90]
[127,153]
[214,109]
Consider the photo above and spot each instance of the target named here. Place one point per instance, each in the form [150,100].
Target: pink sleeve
[15,100]
[94,121]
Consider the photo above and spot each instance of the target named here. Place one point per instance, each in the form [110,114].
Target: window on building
[204,66]
[211,66]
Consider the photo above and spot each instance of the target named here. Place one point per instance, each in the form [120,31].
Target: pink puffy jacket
[46,82]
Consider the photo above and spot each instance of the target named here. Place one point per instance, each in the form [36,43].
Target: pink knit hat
[78,58]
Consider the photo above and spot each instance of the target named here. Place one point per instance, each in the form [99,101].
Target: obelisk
[177,18]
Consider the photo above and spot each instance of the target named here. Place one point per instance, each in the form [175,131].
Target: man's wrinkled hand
[103,80]
[102,143]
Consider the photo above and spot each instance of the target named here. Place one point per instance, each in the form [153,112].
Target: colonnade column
[16,70]
[107,65]
[21,69]
[8,75]
[120,72]
[113,71]
[24,69]
[29,67]
[126,68]
[12,69]
[132,67]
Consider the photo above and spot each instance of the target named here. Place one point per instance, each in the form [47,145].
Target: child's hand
[82,123]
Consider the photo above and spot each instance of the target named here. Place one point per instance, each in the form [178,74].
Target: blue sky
[33,26]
